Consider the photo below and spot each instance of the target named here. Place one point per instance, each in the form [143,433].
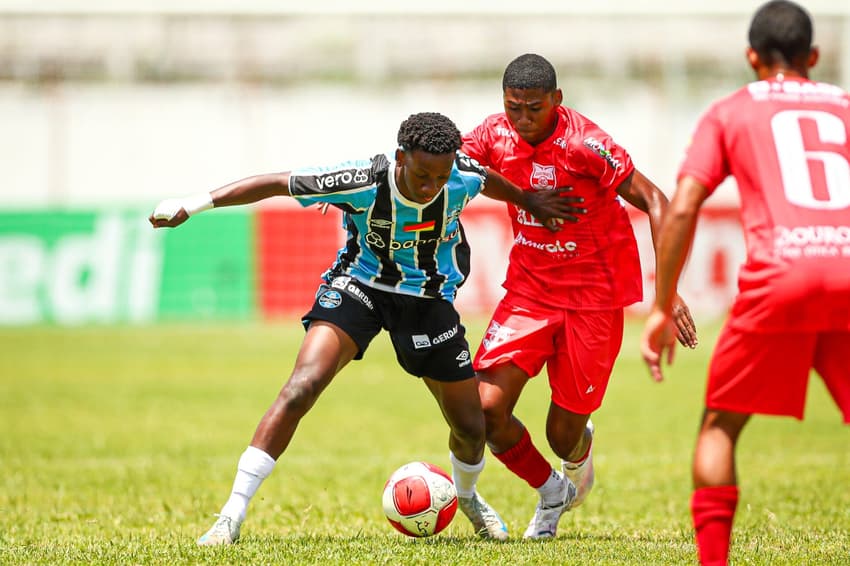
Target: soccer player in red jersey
[785,140]
[566,290]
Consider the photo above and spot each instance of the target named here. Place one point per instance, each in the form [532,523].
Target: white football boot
[224,531]
[581,474]
[544,523]
[487,523]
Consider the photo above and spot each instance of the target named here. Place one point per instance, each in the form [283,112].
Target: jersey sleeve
[473,174]
[705,158]
[350,184]
[475,144]
[600,158]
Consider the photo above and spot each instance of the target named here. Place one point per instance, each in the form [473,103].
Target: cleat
[581,475]
[487,523]
[224,531]
[544,523]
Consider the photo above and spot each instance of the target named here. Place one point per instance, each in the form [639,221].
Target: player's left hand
[170,213]
[658,339]
[553,207]
[687,330]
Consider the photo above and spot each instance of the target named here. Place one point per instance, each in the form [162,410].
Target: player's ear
[814,56]
[558,97]
[399,154]
[753,58]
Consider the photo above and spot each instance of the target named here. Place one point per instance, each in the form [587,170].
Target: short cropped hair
[530,71]
[781,32]
[430,132]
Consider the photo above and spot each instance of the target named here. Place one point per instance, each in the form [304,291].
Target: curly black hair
[430,132]
[530,71]
[781,33]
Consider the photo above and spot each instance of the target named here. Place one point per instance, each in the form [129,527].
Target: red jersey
[786,143]
[591,264]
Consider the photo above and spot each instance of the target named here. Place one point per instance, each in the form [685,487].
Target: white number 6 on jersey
[794,159]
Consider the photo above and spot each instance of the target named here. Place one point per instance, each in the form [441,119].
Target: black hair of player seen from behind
[530,71]
[781,33]
[430,132]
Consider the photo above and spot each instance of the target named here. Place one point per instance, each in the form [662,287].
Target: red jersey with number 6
[592,264]
[786,143]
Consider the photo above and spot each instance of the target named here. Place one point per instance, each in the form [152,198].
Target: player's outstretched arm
[544,205]
[174,212]
[644,195]
[674,243]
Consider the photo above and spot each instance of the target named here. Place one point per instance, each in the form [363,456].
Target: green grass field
[119,444]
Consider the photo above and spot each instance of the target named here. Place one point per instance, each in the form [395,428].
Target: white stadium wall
[119,104]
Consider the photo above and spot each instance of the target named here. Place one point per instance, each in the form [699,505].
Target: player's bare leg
[508,439]
[461,407]
[715,494]
[325,350]
[570,436]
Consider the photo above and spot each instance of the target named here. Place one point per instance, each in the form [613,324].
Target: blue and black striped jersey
[393,243]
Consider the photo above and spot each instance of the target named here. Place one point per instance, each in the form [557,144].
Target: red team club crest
[542,176]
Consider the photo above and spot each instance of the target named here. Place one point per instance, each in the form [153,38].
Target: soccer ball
[420,499]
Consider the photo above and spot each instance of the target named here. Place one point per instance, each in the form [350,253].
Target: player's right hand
[168,214]
[658,339]
[554,207]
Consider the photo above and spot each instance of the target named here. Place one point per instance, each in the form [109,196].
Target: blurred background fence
[108,107]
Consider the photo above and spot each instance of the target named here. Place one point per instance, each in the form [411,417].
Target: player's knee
[470,431]
[565,442]
[299,394]
[495,421]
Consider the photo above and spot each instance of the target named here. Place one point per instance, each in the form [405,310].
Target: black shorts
[427,335]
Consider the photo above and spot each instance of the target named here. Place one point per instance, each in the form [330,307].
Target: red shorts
[578,348]
[768,373]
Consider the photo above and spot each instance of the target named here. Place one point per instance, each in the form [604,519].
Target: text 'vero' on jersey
[394,243]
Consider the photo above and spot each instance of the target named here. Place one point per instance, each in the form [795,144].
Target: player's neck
[780,73]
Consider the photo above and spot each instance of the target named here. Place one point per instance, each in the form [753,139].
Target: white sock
[552,492]
[465,475]
[254,466]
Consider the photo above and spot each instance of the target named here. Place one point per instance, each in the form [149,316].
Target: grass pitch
[119,444]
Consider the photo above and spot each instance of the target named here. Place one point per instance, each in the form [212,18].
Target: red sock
[526,461]
[713,509]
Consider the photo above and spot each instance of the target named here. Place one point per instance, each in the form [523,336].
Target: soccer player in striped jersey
[786,140]
[405,258]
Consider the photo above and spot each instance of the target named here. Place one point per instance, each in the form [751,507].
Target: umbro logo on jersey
[380,223]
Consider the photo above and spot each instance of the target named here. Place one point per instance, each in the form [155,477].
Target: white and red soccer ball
[420,499]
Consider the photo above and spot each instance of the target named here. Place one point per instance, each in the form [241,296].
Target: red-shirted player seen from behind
[785,140]
[566,290]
